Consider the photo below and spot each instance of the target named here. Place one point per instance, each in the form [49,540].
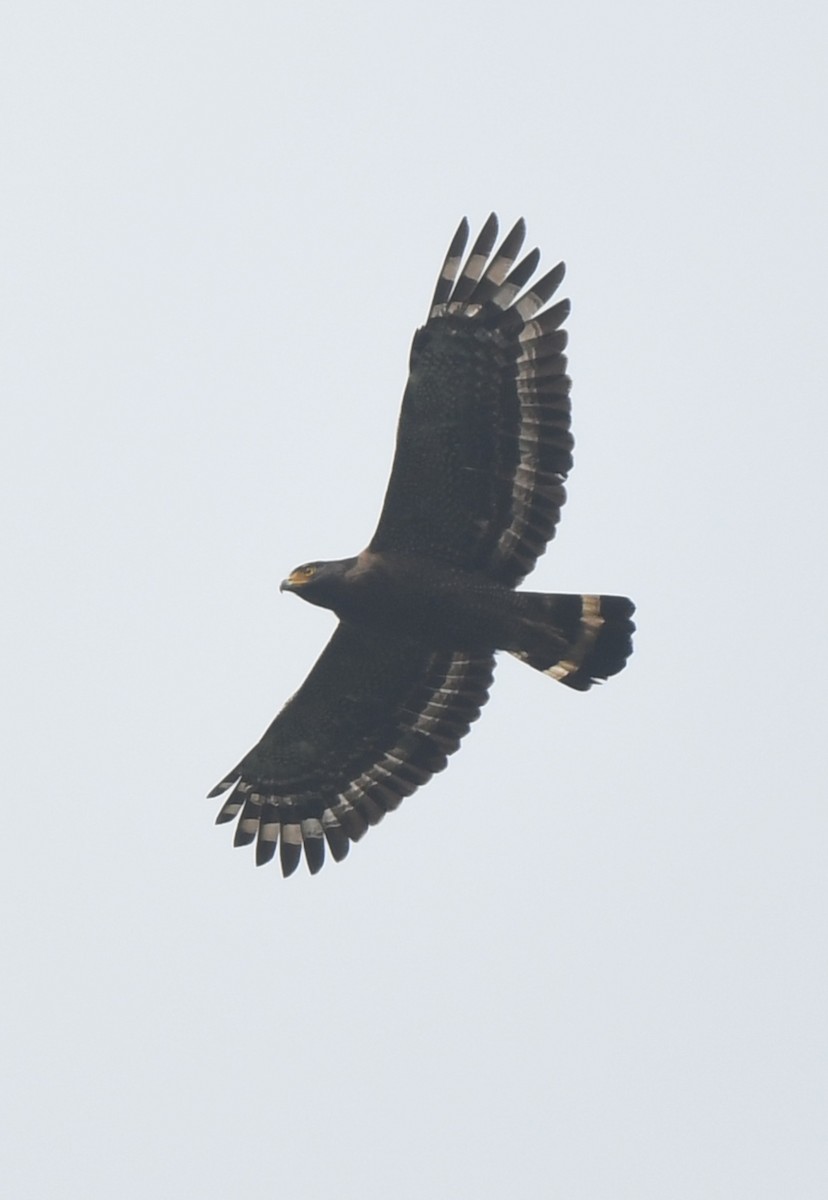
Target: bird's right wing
[483,444]
[375,719]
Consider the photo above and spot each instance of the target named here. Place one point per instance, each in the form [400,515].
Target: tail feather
[578,640]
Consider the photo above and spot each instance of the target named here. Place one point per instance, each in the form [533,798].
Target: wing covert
[484,442]
[375,719]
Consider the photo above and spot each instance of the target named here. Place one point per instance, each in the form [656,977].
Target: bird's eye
[308,571]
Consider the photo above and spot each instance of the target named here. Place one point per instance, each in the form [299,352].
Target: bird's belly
[444,609]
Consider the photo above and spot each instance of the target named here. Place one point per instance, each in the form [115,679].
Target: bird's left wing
[375,719]
[483,444]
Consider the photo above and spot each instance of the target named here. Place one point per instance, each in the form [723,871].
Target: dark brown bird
[475,494]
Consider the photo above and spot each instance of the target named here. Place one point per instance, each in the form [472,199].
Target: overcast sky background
[589,960]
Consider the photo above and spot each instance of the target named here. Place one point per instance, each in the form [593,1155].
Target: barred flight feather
[429,726]
[490,296]
[450,267]
[337,839]
[290,848]
[487,287]
[351,819]
[475,263]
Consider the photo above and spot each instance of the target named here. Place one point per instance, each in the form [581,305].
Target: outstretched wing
[374,720]
[483,444]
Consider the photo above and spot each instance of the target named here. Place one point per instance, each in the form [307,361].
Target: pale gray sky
[587,962]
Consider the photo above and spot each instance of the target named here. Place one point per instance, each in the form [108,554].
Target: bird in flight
[476,490]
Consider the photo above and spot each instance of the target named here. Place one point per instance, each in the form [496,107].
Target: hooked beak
[294,581]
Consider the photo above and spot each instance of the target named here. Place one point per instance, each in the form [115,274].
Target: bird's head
[301,577]
[316,582]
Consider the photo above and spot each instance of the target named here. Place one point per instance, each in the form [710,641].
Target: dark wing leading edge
[374,720]
[483,444]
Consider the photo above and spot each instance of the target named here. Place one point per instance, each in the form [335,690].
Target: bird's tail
[579,640]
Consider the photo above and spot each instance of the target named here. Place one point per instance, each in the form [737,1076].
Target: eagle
[476,490]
